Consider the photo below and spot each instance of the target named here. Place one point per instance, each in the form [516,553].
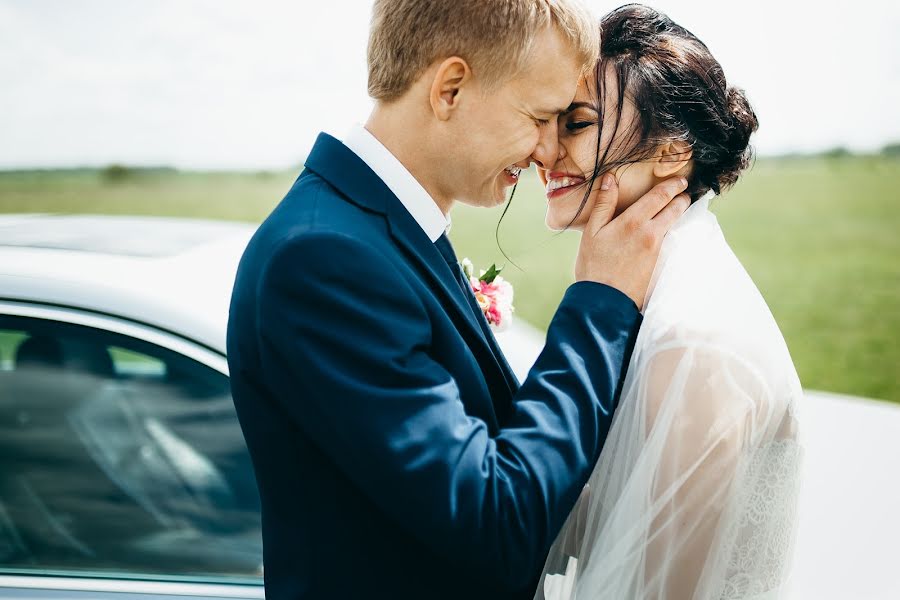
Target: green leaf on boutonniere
[491,274]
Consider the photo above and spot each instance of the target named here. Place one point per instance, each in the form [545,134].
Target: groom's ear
[672,158]
[449,79]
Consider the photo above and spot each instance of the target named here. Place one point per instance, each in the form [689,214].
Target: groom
[396,454]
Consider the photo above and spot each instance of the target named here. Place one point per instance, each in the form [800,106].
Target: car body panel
[186,293]
[60,586]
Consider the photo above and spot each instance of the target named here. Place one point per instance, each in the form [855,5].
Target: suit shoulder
[324,244]
[314,208]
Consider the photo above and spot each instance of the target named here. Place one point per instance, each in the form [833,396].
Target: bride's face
[579,126]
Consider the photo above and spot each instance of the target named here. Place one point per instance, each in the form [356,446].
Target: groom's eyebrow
[552,111]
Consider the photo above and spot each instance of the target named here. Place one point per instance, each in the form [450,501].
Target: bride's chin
[556,222]
[565,207]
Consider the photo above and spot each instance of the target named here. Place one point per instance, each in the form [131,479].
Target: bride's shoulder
[714,340]
[715,379]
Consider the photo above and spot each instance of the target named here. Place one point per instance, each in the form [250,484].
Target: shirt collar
[399,180]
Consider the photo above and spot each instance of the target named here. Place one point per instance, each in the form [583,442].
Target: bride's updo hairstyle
[680,93]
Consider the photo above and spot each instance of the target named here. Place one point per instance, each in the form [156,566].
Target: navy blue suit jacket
[395,452]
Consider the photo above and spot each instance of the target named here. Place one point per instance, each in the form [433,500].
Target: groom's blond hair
[494,36]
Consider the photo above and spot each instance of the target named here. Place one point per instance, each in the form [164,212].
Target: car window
[128,363]
[119,456]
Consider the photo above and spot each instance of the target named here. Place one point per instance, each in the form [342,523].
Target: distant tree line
[119,172]
[891,150]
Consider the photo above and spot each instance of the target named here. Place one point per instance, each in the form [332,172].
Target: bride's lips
[560,184]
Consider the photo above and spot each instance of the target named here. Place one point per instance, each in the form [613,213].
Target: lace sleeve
[693,495]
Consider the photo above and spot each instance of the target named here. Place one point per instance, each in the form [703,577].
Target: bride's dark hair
[680,93]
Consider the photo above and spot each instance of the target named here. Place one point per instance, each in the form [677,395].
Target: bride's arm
[706,410]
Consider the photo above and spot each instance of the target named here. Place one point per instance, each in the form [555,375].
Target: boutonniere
[493,293]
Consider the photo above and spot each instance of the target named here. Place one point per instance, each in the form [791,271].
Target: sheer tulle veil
[695,492]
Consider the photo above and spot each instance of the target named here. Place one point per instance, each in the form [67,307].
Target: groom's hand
[622,252]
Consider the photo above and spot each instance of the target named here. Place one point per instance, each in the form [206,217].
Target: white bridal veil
[695,492]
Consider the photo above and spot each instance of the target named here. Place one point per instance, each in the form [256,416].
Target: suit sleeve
[343,344]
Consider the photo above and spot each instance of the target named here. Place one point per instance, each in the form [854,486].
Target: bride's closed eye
[580,115]
[576,125]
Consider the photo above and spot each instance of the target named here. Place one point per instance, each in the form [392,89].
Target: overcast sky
[221,84]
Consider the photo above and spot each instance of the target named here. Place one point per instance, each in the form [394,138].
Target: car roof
[152,237]
[171,273]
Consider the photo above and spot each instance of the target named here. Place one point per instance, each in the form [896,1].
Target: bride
[695,491]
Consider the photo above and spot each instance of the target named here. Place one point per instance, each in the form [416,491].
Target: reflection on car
[122,455]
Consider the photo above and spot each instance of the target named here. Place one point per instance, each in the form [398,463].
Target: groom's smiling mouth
[512,173]
[559,183]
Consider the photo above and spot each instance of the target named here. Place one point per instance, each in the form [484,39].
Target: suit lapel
[422,251]
[350,175]
[512,381]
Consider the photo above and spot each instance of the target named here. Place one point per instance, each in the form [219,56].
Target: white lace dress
[695,492]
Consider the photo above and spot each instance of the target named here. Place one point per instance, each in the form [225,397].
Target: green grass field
[820,236]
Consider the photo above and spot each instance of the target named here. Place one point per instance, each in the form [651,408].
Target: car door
[123,471]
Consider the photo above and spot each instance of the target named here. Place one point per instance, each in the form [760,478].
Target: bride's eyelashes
[576,125]
[580,115]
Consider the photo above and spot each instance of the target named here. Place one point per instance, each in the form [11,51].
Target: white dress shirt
[399,180]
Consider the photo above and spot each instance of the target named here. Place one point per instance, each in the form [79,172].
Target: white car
[123,471]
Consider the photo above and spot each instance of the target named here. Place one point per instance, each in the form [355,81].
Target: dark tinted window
[117,455]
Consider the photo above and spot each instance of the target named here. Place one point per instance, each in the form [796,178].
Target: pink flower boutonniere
[493,293]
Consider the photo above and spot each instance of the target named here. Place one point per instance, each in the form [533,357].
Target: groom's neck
[405,134]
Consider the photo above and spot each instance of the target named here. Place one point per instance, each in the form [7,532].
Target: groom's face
[516,124]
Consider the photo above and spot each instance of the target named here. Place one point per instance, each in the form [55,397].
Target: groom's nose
[545,153]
